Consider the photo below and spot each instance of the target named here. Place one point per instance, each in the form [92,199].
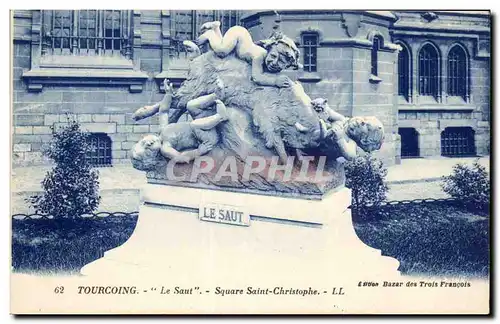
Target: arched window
[458,141]
[310,45]
[457,72]
[377,42]
[100,155]
[428,71]
[404,76]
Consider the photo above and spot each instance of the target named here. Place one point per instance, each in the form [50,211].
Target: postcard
[250,162]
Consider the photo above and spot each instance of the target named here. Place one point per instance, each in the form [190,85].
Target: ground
[438,238]
[37,244]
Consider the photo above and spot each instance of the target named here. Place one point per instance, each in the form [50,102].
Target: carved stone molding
[386,45]
[429,16]
[351,23]
[37,78]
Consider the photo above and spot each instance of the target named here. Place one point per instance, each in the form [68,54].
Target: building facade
[425,75]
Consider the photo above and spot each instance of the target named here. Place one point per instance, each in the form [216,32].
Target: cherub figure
[183,141]
[366,132]
[271,55]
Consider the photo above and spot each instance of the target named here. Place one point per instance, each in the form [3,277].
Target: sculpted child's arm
[266,79]
[333,115]
[258,75]
[203,149]
[172,154]
[346,145]
[162,106]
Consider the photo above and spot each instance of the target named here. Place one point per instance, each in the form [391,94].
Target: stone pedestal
[288,241]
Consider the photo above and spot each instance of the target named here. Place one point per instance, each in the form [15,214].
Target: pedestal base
[289,241]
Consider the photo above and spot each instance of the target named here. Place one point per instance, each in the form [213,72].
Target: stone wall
[481,89]
[377,98]
[430,117]
[100,108]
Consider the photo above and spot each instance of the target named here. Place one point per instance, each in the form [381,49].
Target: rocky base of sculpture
[180,236]
[228,174]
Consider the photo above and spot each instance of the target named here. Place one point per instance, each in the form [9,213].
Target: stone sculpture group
[241,105]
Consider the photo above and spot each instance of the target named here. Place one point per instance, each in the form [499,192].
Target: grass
[430,239]
[66,245]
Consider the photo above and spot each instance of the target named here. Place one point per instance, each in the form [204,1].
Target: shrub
[365,176]
[71,187]
[469,185]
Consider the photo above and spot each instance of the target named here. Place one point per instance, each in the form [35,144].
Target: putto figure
[365,132]
[271,55]
[182,141]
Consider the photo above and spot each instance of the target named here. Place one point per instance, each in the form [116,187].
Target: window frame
[81,69]
[407,92]
[452,142]
[377,44]
[107,157]
[450,76]
[426,65]
[313,51]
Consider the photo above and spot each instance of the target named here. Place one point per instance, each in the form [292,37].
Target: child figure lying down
[270,55]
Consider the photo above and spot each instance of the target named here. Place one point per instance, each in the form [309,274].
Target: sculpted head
[319,104]
[282,53]
[367,132]
[145,153]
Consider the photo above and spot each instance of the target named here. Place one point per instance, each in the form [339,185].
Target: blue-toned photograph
[172,142]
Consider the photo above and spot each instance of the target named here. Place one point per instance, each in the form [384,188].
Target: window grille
[458,141]
[404,73]
[409,142]
[428,69]
[87,32]
[186,24]
[457,72]
[310,43]
[375,49]
[100,154]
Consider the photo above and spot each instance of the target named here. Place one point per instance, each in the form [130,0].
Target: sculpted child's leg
[210,122]
[211,25]
[201,103]
[223,45]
